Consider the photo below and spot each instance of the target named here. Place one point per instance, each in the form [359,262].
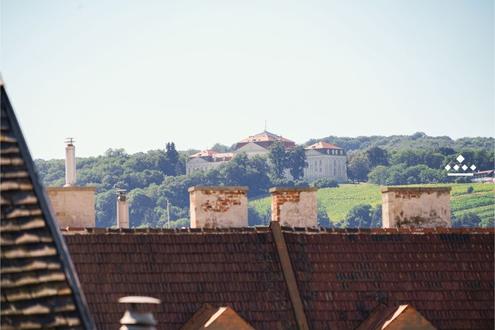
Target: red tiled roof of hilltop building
[322,145]
[204,153]
[342,276]
[265,139]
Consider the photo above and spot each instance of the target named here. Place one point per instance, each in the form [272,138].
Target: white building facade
[324,160]
[327,161]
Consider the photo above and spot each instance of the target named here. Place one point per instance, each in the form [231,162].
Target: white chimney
[222,207]
[70,163]
[138,315]
[122,209]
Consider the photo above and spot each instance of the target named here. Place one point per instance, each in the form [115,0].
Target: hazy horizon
[120,74]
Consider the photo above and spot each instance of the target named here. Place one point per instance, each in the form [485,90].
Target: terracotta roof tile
[322,145]
[239,269]
[342,275]
[265,139]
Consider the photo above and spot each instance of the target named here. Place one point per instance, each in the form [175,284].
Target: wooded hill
[157,176]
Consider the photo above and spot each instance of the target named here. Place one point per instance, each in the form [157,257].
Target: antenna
[69,140]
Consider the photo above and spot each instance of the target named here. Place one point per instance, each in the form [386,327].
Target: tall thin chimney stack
[70,163]
[122,209]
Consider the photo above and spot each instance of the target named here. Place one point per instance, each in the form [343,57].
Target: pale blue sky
[136,74]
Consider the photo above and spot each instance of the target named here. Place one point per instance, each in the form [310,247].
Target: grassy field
[338,201]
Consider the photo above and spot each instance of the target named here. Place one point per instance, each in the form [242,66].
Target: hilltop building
[213,277]
[324,160]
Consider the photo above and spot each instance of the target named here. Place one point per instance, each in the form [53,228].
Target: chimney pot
[136,319]
[70,163]
[122,209]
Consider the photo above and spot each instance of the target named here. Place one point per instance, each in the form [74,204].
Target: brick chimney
[212,207]
[70,163]
[295,207]
[404,207]
[122,209]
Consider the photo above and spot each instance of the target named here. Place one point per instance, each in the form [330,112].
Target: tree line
[156,179]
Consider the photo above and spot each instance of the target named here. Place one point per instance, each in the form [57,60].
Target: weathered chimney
[136,318]
[212,207]
[404,207]
[122,209]
[295,207]
[70,163]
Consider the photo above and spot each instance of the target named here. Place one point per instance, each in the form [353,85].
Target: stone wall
[212,207]
[73,206]
[416,207]
[296,207]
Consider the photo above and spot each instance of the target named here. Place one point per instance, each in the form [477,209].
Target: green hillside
[338,201]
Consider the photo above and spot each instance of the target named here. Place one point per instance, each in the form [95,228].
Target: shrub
[466,220]
[470,189]
[325,183]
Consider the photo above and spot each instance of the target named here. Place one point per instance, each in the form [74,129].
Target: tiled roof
[265,139]
[342,275]
[395,317]
[447,275]
[216,318]
[204,153]
[239,269]
[38,284]
[322,145]
[223,156]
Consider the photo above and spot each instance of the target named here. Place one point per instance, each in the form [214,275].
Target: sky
[138,74]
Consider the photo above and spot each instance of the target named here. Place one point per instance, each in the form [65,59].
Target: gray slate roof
[39,287]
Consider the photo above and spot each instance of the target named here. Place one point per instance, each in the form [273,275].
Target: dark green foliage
[470,189]
[157,175]
[296,162]
[218,147]
[106,205]
[256,218]
[171,166]
[466,220]
[325,183]
[363,216]
[278,160]
[443,144]
[403,174]
[376,217]
[358,167]
[377,156]
[358,217]
[323,218]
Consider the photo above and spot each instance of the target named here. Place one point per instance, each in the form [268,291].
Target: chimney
[295,207]
[213,207]
[70,163]
[137,318]
[122,209]
[404,207]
